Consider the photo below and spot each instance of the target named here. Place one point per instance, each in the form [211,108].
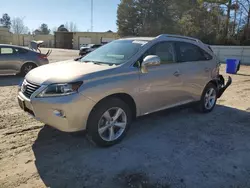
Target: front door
[8,60]
[161,87]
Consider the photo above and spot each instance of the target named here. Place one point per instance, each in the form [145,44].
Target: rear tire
[208,99]
[26,68]
[109,122]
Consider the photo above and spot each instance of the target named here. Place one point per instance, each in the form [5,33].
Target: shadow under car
[181,148]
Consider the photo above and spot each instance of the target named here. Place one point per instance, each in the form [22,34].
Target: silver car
[105,90]
[16,59]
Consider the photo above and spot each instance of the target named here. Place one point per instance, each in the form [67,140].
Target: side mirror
[150,61]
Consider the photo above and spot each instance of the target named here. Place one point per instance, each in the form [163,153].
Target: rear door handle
[177,73]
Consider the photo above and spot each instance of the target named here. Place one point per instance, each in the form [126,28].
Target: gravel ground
[170,149]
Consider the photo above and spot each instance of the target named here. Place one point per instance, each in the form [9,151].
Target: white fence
[236,52]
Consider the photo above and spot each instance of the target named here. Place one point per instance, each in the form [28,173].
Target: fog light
[59,113]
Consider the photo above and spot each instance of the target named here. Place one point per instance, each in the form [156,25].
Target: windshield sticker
[140,42]
[116,56]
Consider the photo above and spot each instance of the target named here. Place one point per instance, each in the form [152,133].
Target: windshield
[116,52]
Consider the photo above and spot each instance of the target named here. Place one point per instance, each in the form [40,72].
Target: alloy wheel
[112,124]
[210,98]
[27,68]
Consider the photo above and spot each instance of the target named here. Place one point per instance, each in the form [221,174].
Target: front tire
[208,99]
[109,122]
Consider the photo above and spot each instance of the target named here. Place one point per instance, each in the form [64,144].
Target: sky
[57,12]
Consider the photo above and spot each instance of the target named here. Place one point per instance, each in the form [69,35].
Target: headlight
[20,85]
[55,90]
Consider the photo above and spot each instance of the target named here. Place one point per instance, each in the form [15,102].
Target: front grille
[28,88]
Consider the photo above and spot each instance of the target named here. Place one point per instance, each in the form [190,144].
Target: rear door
[196,67]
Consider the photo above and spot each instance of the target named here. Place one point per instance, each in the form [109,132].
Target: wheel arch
[128,99]
[214,82]
[29,62]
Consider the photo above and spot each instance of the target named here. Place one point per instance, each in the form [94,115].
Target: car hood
[63,72]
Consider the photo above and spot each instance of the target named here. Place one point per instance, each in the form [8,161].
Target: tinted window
[21,50]
[6,51]
[206,55]
[164,50]
[189,52]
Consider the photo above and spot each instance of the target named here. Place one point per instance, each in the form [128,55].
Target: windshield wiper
[99,63]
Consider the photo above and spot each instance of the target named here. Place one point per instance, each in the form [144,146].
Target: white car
[89,48]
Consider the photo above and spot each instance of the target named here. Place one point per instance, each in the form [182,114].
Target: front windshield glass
[115,52]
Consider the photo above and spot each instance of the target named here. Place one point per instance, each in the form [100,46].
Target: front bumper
[221,85]
[74,109]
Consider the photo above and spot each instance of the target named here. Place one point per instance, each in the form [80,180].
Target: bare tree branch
[243,6]
[71,26]
[18,26]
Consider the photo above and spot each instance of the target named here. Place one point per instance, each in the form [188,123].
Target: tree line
[17,26]
[213,21]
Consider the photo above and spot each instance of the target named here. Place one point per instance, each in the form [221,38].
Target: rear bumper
[43,62]
[221,84]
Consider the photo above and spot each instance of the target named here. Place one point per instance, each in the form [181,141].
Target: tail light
[42,56]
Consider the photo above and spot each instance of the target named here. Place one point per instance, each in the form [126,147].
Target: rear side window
[187,52]
[21,50]
[6,51]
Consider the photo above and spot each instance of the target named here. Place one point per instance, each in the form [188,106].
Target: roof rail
[178,36]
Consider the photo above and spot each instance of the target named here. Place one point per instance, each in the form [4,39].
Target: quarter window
[189,52]
[207,55]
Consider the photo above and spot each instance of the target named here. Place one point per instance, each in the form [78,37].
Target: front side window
[116,52]
[6,51]
[187,52]
[164,50]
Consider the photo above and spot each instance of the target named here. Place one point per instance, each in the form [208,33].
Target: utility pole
[91,26]
[235,15]
[228,18]
[239,24]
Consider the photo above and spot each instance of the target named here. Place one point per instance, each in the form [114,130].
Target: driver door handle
[177,73]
